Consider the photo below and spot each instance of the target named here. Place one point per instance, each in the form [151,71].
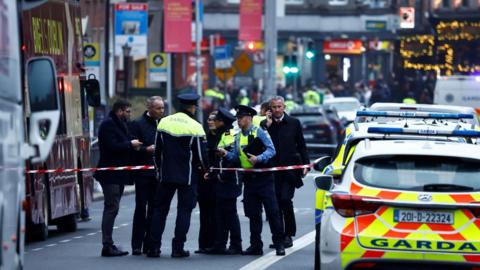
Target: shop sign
[375,25]
[343,46]
[376,45]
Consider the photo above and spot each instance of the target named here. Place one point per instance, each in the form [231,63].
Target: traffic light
[290,66]
[309,50]
[253,46]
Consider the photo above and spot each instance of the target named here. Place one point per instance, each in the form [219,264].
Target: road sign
[225,74]
[407,17]
[243,63]
[158,67]
[222,55]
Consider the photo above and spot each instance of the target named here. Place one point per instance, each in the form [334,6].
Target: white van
[458,90]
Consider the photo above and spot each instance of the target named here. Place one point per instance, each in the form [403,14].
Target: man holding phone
[287,136]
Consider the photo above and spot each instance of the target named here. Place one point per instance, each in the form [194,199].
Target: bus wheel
[67,223]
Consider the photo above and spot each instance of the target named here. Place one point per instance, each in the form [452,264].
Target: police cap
[225,116]
[243,110]
[188,98]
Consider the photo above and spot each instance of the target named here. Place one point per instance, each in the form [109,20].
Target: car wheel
[67,223]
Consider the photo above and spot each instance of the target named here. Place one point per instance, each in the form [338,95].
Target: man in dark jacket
[287,136]
[179,154]
[145,129]
[116,148]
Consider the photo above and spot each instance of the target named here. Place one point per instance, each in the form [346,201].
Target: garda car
[403,202]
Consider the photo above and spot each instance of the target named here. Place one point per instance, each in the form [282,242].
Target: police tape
[149,167]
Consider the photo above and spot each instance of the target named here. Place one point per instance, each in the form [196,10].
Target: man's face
[211,122]
[157,109]
[244,121]
[125,114]
[278,108]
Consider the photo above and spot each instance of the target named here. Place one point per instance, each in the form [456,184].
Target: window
[446,3]
[419,173]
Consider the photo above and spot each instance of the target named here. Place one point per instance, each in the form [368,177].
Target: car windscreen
[345,106]
[419,173]
[308,119]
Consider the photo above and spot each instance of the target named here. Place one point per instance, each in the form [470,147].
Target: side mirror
[44,106]
[320,163]
[92,88]
[324,182]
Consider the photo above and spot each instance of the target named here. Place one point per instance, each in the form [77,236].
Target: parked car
[346,107]
[319,132]
[333,117]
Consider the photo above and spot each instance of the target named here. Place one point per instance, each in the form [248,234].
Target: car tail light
[352,205]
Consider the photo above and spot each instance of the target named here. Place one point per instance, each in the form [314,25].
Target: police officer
[228,188]
[179,152]
[253,148]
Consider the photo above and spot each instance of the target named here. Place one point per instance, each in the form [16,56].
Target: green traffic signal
[290,70]
[309,55]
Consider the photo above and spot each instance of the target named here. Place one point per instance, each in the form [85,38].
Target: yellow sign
[91,52]
[225,74]
[243,63]
[158,61]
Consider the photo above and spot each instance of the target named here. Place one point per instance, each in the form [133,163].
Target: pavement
[81,249]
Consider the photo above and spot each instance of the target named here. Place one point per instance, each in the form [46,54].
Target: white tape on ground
[270,258]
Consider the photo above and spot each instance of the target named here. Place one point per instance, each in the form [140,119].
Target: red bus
[53,28]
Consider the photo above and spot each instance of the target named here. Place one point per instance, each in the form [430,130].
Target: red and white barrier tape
[148,167]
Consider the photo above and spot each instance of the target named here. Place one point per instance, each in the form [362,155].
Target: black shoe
[153,253]
[201,250]
[216,251]
[136,251]
[272,246]
[180,253]
[112,251]
[288,243]
[280,250]
[253,251]
[234,250]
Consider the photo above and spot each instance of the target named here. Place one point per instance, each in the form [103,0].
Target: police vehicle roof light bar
[425,132]
[393,114]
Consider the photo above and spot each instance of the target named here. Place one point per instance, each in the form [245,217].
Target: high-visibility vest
[244,101]
[257,119]
[214,93]
[242,143]
[227,139]
[409,101]
[311,98]
[180,124]
[290,105]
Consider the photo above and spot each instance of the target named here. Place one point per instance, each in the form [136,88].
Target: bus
[52,28]
[22,137]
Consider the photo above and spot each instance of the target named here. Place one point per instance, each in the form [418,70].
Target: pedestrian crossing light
[309,50]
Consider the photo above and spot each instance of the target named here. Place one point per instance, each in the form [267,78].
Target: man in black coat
[116,149]
[287,137]
[144,129]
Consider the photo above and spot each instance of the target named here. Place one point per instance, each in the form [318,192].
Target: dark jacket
[287,137]
[179,155]
[115,150]
[144,129]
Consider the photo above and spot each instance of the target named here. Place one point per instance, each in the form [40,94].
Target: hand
[151,149]
[136,144]
[269,118]
[305,171]
[252,159]
[222,152]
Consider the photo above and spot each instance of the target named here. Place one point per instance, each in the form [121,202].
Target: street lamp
[126,49]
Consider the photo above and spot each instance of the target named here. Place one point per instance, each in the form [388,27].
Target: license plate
[420,216]
[308,136]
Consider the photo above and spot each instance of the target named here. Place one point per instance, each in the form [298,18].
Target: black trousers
[284,192]
[227,223]
[111,204]
[206,236]
[260,190]
[186,202]
[145,188]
